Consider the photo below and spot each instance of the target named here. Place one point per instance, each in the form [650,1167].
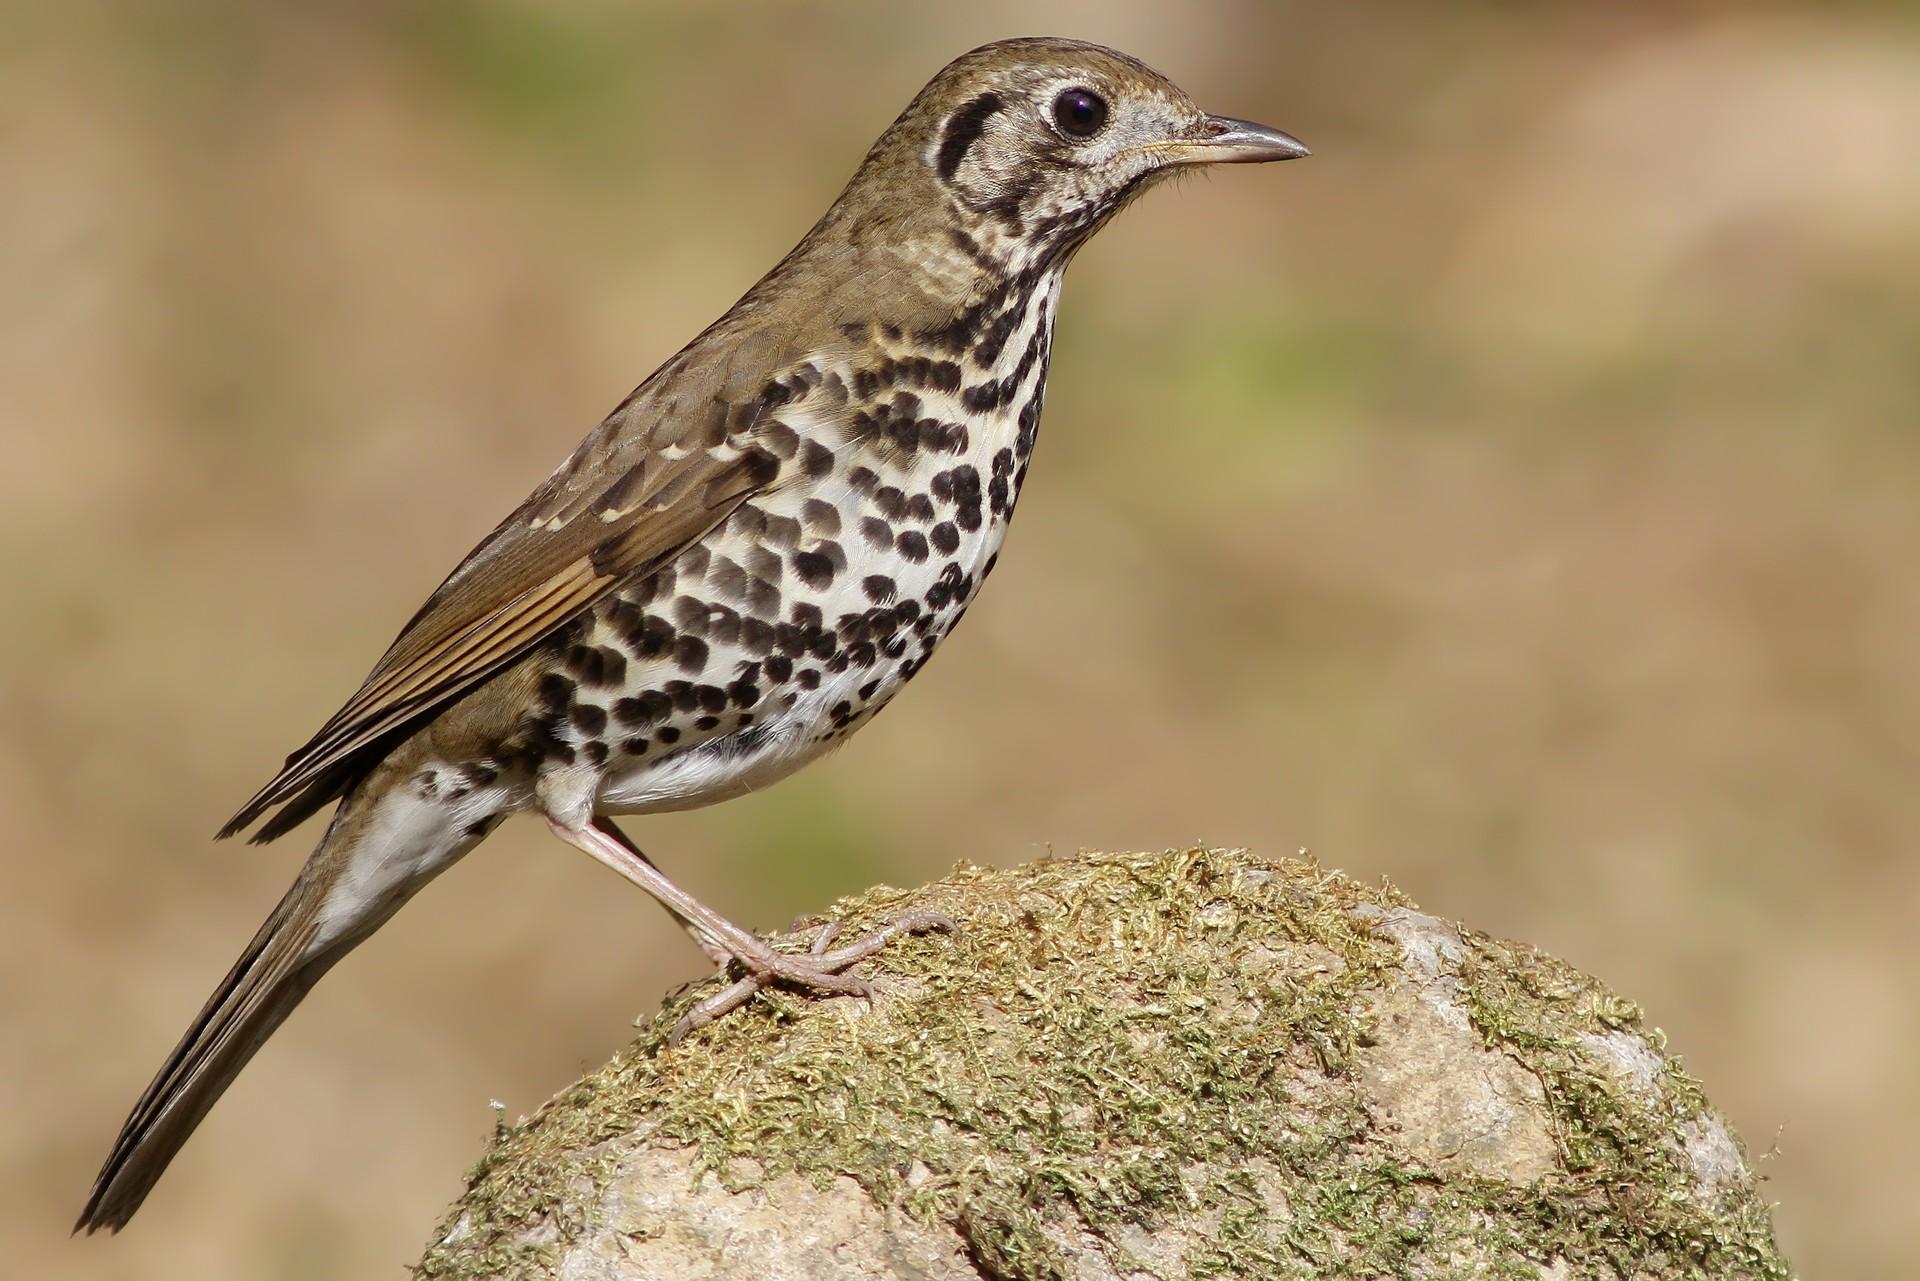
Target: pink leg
[704,941]
[819,971]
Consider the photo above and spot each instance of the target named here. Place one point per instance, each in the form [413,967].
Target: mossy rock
[1130,1066]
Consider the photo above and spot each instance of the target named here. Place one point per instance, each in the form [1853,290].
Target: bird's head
[1000,168]
[1037,142]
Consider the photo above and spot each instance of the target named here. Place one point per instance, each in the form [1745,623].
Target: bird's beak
[1226,141]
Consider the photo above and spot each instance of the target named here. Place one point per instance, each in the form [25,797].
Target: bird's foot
[821,970]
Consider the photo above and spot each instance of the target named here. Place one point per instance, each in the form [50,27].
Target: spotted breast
[796,620]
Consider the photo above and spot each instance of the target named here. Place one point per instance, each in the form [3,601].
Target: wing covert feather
[670,464]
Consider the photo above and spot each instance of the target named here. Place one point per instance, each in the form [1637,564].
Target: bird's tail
[348,888]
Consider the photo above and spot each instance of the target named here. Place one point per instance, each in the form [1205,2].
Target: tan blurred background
[1520,499]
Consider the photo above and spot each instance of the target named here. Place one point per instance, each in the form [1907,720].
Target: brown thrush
[737,568]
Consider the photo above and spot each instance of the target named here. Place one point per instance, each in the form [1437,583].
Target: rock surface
[1129,1067]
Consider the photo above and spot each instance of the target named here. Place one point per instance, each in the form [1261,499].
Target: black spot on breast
[813,569]
[556,691]
[656,637]
[946,539]
[596,665]
[820,517]
[764,562]
[913,545]
[783,531]
[880,589]
[626,618]
[690,653]
[690,614]
[544,745]
[748,521]
[781,440]
[891,501]
[966,497]
[643,710]
[1029,422]
[942,438]
[756,636]
[728,579]
[877,532]
[963,129]
[762,466]
[816,459]
[589,719]
[763,598]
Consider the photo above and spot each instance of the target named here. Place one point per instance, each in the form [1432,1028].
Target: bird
[737,568]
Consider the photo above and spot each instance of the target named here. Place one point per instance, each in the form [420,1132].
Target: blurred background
[1519,500]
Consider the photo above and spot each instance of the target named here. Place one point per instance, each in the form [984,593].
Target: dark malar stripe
[963,129]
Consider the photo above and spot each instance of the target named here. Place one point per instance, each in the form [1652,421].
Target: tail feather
[365,867]
[256,996]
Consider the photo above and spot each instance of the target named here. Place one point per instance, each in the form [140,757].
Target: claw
[818,971]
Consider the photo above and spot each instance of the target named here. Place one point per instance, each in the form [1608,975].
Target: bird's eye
[1079,112]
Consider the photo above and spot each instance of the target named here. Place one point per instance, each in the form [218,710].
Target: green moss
[1122,1040]
[1627,1192]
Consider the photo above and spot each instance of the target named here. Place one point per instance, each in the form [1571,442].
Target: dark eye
[1079,112]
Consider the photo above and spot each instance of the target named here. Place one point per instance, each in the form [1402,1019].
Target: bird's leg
[703,940]
[819,970]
